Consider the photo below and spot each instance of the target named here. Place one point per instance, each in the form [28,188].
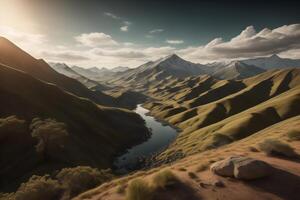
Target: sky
[111,33]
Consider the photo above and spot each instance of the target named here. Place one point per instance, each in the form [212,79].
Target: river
[161,136]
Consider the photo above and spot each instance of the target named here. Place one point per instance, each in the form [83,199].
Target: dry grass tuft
[139,190]
[164,179]
[274,147]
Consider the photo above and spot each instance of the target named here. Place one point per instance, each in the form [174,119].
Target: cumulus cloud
[124,28]
[156,31]
[174,41]
[95,39]
[249,43]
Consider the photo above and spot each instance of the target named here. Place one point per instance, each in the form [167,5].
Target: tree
[51,135]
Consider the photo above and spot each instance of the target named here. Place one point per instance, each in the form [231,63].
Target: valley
[156,102]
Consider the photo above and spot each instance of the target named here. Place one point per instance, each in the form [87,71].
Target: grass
[274,147]
[294,135]
[164,179]
[139,190]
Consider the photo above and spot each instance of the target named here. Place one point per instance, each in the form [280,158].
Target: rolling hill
[15,57]
[96,133]
[235,108]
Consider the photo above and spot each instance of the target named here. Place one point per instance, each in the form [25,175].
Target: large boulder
[241,168]
[224,167]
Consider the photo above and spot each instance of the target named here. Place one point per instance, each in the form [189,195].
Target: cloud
[124,28]
[156,31]
[174,41]
[95,39]
[20,37]
[149,36]
[64,55]
[123,53]
[249,43]
[111,15]
[125,23]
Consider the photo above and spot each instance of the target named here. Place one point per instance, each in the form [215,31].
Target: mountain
[273,62]
[235,108]
[66,70]
[156,72]
[96,133]
[235,70]
[120,69]
[221,119]
[16,58]
[94,73]
[153,72]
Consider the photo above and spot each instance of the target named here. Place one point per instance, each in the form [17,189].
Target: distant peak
[275,56]
[172,56]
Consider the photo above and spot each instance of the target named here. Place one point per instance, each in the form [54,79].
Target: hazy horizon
[129,33]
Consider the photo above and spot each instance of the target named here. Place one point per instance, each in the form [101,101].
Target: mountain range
[222,109]
[31,89]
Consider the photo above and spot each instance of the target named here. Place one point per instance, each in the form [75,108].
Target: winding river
[161,136]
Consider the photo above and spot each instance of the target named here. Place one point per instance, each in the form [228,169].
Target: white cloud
[64,55]
[174,41]
[124,28]
[95,39]
[111,15]
[248,43]
[125,23]
[156,31]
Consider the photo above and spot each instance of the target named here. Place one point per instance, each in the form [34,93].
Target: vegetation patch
[164,179]
[276,148]
[39,187]
[139,190]
[294,135]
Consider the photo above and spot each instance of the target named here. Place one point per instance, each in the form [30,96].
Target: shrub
[192,175]
[51,135]
[139,190]
[276,148]
[164,179]
[39,187]
[294,135]
[79,179]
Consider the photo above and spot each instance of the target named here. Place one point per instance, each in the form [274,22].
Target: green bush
[139,190]
[294,135]
[39,188]
[276,148]
[79,179]
[164,179]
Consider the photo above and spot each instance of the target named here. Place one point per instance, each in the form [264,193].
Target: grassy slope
[235,109]
[288,172]
[15,57]
[96,133]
